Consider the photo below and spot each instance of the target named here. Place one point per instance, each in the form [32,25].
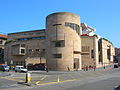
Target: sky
[25,15]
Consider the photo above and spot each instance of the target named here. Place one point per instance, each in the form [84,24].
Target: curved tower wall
[63,41]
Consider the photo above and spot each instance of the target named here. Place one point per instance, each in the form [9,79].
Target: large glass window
[41,37]
[73,26]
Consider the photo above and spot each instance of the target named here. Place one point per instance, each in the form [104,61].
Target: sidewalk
[70,72]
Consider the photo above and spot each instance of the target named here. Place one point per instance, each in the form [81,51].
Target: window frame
[57,56]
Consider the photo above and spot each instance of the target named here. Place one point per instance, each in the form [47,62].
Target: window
[92,53]
[108,54]
[22,51]
[43,49]
[56,24]
[22,45]
[30,50]
[1,51]
[37,50]
[73,26]
[32,38]
[60,43]
[0,59]
[1,42]
[57,55]
[77,52]
[85,48]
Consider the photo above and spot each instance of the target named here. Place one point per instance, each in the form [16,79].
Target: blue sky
[25,15]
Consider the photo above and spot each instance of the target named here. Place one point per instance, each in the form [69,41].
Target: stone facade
[3,39]
[107,51]
[25,48]
[96,52]
[89,51]
[60,46]
[59,30]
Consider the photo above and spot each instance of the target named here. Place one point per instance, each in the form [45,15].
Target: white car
[20,69]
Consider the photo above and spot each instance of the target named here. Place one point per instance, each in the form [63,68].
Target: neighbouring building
[106,52]
[117,51]
[117,56]
[96,51]
[61,46]
[3,39]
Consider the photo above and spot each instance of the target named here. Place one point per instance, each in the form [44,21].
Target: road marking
[12,79]
[47,83]
[41,79]
[37,82]
[18,77]
[57,82]
[68,80]
[58,79]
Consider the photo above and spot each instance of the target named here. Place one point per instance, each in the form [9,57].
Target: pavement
[43,78]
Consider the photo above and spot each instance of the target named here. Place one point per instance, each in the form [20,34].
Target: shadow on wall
[117,88]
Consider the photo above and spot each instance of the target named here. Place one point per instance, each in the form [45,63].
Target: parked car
[116,65]
[4,67]
[20,69]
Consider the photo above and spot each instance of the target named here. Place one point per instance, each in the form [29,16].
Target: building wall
[102,50]
[56,30]
[3,39]
[117,51]
[34,50]
[27,35]
[89,51]
[106,47]
[59,45]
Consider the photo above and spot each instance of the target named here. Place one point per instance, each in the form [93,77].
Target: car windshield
[6,66]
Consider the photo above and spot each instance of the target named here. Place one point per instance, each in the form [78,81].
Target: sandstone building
[60,46]
[96,52]
[3,39]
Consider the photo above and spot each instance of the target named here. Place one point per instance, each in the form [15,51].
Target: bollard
[28,78]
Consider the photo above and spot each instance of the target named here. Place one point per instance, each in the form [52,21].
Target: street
[101,79]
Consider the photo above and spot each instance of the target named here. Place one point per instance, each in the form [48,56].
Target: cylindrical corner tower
[63,43]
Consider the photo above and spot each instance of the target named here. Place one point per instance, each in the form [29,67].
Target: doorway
[76,63]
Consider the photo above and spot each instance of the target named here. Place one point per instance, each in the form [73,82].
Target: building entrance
[76,63]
